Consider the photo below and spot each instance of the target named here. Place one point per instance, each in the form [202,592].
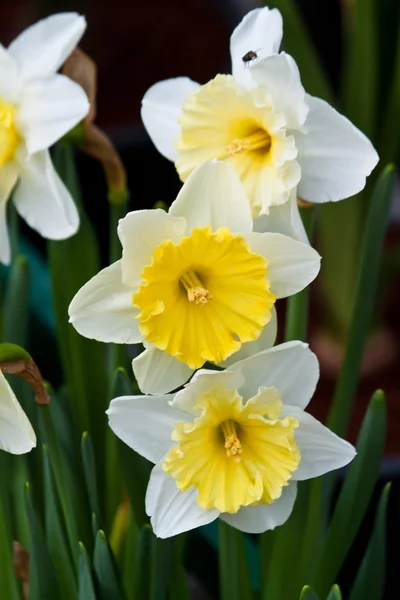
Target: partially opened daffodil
[261,121]
[231,444]
[37,107]
[195,284]
[16,432]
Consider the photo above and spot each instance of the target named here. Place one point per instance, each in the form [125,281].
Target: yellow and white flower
[231,444]
[260,120]
[195,284]
[16,432]
[37,107]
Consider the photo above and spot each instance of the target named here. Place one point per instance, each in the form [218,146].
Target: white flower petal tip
[42,48]
[321,450]
[106,317]
[159,373]
[335,156]
[144,423]
[292,265]
[16,433]
[213,195]
[161,107]
[172,511]
[42,199]
[259,32]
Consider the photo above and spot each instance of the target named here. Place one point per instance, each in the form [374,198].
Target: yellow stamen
[8,133]
[194,287]
[232,443]
[258,140]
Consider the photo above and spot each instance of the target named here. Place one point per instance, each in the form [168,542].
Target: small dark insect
[249,57]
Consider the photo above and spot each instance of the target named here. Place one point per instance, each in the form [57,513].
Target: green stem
[297,305]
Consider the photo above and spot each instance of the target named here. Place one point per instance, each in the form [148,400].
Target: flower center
[201,299]
[229,472]
[8,133]
[232,443]
[257,141]
[194,287]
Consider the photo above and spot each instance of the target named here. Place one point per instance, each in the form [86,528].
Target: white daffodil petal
[41,49]
[265,341]
[140,233]
[172,512]
[291,367]
[280,75]
[202,382]
[284,219]
[50,108]
[213,195]
[291,265]
[257,519]
[260,31]
[321,450]
[43,200]
[8,178]
[334,155]
[103,310]
[16,432]
[158,372]
[161,107]
[10,81]
[145,423]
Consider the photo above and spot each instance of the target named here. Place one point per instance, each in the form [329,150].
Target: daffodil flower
[195,284]
[231,444]
[260,120]
[16,433]
[37,107]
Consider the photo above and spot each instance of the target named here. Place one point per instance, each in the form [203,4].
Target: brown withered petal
[82,69]
[21,566]
[304,203]
[28,370]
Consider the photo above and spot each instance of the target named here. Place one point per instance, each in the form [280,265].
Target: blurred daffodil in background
[37,107]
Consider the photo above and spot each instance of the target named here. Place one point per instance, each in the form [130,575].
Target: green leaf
[361,63]
[143,564]
[355,494]
[280,548]
[366,292]
[43,584]
[234,577]
[106,577]
[55,533]
[131,543]
[9,586]
[389,143]
[62,477]
[86,587]
[178,587]
[131,462]
[297,305]
[298,43]
[335,593]
[370,580]
[162,551]
[72,263]
[16,306]
[89,468]
[308,593]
